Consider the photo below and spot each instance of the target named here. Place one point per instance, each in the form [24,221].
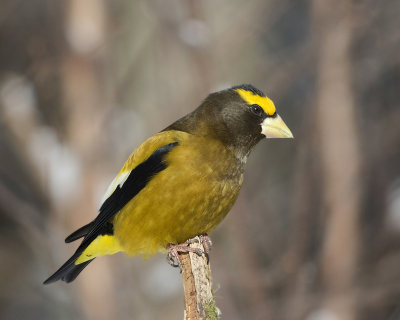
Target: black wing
[136,181]
[81,232]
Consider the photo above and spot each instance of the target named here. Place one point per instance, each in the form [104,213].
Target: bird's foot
[174,249]
[205,240]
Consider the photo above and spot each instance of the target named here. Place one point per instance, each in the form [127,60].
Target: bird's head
[239,117]
[261,110]
[242,115]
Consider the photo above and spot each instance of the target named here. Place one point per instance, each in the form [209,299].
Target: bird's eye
[257,110]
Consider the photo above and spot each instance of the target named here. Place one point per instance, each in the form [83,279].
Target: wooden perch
[197,285]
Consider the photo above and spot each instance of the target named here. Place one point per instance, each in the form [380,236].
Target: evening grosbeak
[179,183]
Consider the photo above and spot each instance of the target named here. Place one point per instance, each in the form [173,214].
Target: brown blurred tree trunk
[340,162]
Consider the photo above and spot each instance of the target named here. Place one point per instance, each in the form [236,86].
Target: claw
[174,249]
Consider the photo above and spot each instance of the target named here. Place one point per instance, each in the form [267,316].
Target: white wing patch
[119,180]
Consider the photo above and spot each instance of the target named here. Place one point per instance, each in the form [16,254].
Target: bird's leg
[175,249]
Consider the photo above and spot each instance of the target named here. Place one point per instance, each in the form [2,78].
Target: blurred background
[315,233]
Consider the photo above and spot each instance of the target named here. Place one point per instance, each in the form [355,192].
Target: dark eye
[257,110]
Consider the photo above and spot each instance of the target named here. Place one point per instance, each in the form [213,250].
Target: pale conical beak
[274,127]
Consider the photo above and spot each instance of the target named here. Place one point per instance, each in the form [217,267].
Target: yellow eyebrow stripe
[252,98]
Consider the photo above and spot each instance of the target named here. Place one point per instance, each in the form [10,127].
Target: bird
[179,183]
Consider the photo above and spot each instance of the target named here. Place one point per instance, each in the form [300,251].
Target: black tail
[69,270]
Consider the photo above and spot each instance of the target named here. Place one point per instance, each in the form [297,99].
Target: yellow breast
[190,197]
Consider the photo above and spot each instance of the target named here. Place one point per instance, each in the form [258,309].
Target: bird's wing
[144,163]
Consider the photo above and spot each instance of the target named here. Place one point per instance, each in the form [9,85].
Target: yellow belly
[190,197]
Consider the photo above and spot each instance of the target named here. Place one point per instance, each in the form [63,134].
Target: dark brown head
[239,117]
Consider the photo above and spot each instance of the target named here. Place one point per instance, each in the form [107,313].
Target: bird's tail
[69,270]
[93,245]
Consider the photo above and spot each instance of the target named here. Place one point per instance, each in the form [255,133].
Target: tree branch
[197,285]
